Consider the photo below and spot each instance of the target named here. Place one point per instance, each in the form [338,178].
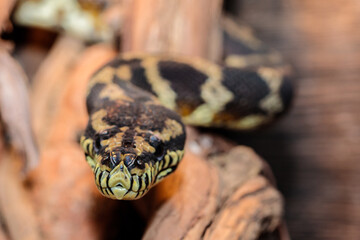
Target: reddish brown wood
[63,186]
[5,11]
[14,109]
[314,151]
[16,207]
[49,81]
[204,196]
[181,26]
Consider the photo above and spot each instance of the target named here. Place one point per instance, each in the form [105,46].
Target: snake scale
[135,136]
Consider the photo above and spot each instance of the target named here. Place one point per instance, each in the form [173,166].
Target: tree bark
[179,26]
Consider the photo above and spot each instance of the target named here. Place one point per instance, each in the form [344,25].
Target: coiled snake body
[135,136]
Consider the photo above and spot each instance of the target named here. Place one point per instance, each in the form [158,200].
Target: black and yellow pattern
[135,136]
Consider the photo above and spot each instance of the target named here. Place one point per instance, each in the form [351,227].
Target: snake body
[135,136]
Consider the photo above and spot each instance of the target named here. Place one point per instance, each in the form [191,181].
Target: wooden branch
[14,108]
[179,26]
[220,197]
[16,207]
[5,10]
[63,186]
[191,200]
[48,82]
[245,199]
[250,205]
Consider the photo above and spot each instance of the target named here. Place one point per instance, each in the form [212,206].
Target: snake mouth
[120,184]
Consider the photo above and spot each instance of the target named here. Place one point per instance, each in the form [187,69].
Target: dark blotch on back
[92,101]
[248,89]
[138,77]
[132,91]
[146,116]
[185,80]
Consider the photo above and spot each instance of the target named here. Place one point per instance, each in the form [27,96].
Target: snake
[139,105]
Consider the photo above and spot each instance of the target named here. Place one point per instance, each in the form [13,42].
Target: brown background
[315,150]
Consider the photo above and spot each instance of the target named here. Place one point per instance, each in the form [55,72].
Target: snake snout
[116,157]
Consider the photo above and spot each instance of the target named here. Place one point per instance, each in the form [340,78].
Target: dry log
[16,207]
[183,27]
[202,199]
[63,187]
[247,197]
[5,10]
[2,234]
[49,81]
[190,201]
[250,205]
[14,108]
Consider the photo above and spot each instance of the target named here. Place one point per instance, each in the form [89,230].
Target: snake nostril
[114,159]
[129,159]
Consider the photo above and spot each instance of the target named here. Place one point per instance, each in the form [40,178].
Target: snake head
[128,162]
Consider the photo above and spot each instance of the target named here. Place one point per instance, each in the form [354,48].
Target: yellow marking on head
[91,162]
[180,154]
[114,93]
[148,170]
[137,171]
[172,129]
[166,161]
[161,166]
[103,182]
[97,122]
[272,103]
[124,73]
[142,146]
[120,174]
[175,158]
[163,174]
[113,142]
[136,184]
[85,142]
[160,86]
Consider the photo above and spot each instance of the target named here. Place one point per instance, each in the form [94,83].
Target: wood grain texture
[182,26]
[14,109]
[6,7]
[315,150]
[63,189]
[150,31]
[17,209]
[199,201]
[49,81]
[227,197]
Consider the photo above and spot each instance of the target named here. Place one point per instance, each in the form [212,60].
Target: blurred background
[314,150]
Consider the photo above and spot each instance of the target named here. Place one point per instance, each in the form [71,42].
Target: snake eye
[159,152]
[140,162]
[114,159]
[97,144]
[154,141]
[159,148]
[105,160]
